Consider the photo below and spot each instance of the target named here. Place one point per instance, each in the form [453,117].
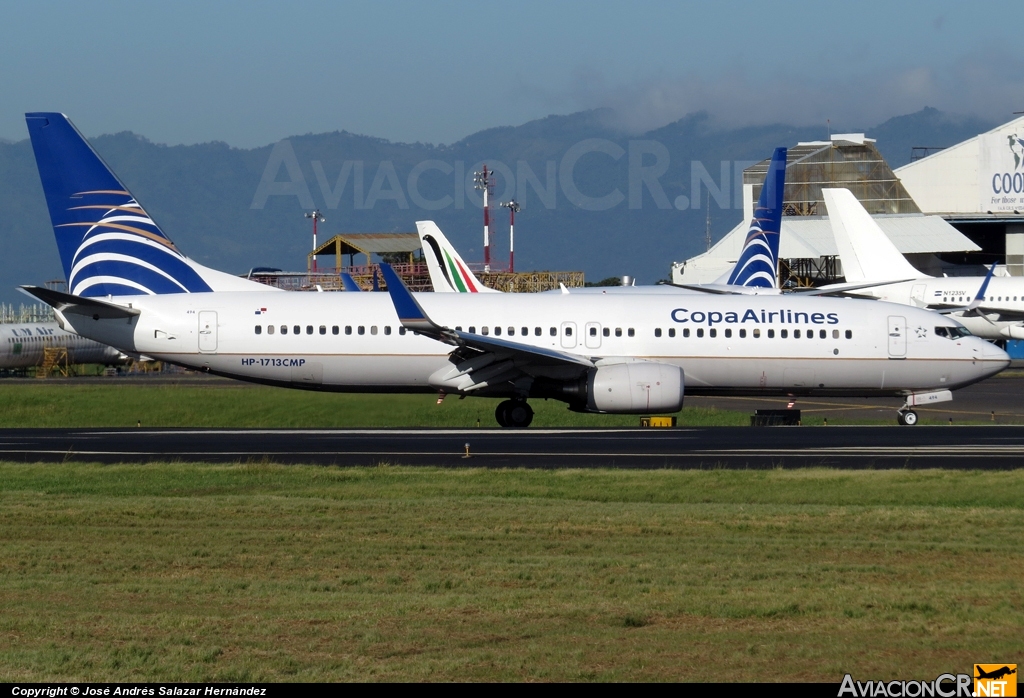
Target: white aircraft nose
[993,353]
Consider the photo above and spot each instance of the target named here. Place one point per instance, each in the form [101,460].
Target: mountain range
[593,198]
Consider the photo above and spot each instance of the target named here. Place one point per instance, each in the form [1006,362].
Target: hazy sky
[250,73]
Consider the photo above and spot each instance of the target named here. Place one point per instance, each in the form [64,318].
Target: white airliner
[872,262]
[131,288]
[23,344]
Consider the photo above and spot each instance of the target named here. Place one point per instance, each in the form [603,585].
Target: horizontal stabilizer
[67,304]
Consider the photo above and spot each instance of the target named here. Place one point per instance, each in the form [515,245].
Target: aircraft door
[897,337]
[207,331]
[917,295]
[592,335]
[568,335]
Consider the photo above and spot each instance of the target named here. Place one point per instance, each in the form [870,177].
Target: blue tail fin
[759,262]
[108,243]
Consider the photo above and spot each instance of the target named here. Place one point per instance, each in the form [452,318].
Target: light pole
[512,206]
[316,216]
[484,180]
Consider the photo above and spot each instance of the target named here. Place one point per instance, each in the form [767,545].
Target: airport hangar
[950,210]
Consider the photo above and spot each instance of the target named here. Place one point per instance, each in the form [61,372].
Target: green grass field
[227,404]
[261,572]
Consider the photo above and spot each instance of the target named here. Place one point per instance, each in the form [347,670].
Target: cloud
[986,83]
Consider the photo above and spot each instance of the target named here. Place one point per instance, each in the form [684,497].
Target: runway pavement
[968,447]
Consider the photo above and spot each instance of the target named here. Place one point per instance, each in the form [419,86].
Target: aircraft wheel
[501,412]
[910,418]
[518,414]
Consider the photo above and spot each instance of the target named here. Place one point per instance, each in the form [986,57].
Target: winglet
[410,314]
[984,286]
[348,283]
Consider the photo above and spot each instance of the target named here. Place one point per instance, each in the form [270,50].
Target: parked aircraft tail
[108,244]
[758,265]
[448,272]
[867,253]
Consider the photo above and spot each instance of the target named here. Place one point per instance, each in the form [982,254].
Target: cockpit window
[952,332]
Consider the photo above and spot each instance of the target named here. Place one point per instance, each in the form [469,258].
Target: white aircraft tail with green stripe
[448,272]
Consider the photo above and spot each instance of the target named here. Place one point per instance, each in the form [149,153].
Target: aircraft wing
[479,361]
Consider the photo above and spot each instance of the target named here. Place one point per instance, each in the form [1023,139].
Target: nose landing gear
[513,413]
[906,418]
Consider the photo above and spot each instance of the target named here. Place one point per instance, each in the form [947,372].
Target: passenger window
[568,332]
[511,331]
[526,331]
[553,332]
[657,331]
[361,329]
[497,330]
[771,334]
[284,329]
[334,329]
[605,331]
[537,331]
[323,329]
[593,332]
[618,331]
[783,333]
[270,329]
[297,330]
[849,334]
[401,330]
[458,328]
[728,333]
[810,334]
[484,331]
[822,334]
[796,334]
[671,331]
[631,332]
[686,331]
[259,329]
[712,332]
[387,329]
[743,334]
[348,329]
[309,329]
[373,329]
[757,333]
[472,329]
[835,334]
[700,331]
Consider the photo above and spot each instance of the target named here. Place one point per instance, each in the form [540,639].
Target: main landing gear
[906,418]
[513,413]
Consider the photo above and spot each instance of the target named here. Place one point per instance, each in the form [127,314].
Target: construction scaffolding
[55,361]
[849,161]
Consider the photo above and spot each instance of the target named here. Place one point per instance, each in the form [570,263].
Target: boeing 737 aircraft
[131,288]
[872,262]
[22,345]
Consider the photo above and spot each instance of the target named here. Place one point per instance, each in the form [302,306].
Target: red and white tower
[316,216]
[484,180]
[513,207]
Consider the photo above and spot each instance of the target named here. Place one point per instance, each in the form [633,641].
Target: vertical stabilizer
[448,272]
[108,244]
[865,250]
[758,265]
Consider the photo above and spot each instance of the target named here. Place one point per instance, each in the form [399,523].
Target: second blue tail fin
[758,263]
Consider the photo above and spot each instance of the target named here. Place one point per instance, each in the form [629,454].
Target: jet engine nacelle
[1013,332]
[635,387]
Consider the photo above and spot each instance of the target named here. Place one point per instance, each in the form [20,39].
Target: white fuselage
[724,344]
[24,344]
[1006,292]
